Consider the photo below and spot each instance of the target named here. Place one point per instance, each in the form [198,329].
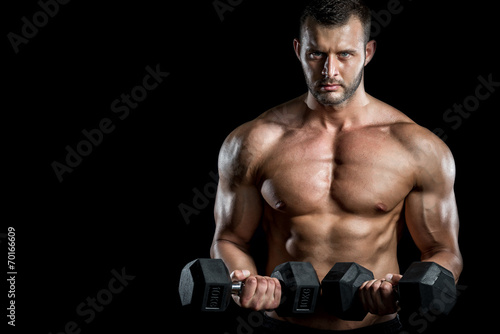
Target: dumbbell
[425,286]
[205,284]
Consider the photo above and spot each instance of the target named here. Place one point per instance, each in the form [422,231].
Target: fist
[259,292]
[378,297]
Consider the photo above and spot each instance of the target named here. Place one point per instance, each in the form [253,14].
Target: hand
[259,292]
[377,296]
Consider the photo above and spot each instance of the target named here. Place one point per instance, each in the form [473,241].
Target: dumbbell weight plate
[427,286]
[340,290]
[205,284]
[300,288]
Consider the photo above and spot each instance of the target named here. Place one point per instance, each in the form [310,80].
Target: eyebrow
[349,51]
[313,49]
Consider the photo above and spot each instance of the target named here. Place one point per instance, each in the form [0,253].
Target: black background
[120,207]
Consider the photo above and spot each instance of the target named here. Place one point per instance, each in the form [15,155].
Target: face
[333,59]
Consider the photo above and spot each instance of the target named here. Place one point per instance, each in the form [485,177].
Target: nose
[330,69]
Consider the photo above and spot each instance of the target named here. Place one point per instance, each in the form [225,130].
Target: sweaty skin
[332,178]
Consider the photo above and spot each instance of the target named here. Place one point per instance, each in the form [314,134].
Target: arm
[237,217]
[431,217]
[238,206]
[431,210]
[238,211]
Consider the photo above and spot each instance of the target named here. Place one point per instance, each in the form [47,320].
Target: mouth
[330,87]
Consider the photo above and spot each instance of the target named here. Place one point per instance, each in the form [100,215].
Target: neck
[342,116]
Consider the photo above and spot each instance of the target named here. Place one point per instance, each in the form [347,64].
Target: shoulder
[426,149]
[429,155]
[431,158]
[419,140]
[245,147]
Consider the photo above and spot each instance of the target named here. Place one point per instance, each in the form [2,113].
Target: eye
[315,54]
[345,55]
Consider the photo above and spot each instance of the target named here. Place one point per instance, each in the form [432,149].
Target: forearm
[448,259]
[235,257]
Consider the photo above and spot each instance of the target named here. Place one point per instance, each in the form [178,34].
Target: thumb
[393,278]
[240,275]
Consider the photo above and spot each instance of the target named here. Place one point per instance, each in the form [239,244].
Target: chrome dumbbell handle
[236,288]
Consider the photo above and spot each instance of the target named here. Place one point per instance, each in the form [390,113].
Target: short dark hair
[337,13]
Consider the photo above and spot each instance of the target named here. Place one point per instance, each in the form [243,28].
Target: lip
[330,88]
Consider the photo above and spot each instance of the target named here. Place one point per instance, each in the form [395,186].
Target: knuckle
[271,282]
[261,284]
[375,286]
[386,289]
[251,281]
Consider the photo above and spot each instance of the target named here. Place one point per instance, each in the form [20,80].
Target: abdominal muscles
[325,240]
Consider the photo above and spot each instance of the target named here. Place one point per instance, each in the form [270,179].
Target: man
[331,176]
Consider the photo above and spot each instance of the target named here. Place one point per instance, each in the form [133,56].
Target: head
[334,47]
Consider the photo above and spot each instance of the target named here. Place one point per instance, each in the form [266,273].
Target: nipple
[381,207]
[280,205]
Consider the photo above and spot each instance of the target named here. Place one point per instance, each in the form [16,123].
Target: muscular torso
[335,195]
[333,186]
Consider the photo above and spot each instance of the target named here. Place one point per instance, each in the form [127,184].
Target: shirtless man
[331,176]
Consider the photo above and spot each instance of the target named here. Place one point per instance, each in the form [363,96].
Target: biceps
[432,220]
[237,212]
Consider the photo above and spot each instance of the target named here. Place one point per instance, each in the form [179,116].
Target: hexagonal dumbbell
[205,285]
[425,286]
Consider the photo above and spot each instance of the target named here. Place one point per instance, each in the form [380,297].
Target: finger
[253,298]
[273,294]
[363,295]
[383,299]
[261,286]
[388,298]
[364,284]
[394,278]
[386,291]
[269,299]
[376,301]
[248,292]
[277,293]
[239,275]
[367,296]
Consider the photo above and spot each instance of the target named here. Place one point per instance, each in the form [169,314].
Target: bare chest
[364,173]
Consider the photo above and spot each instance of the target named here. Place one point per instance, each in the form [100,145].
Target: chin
[330,98]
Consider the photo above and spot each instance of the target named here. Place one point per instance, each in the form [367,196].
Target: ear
[371,47]
[296,47]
